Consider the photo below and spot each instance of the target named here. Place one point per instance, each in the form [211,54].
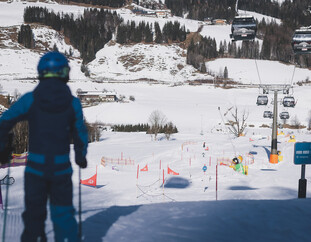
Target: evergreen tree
[25,36]
[158,33]
[88,33]
[226,73]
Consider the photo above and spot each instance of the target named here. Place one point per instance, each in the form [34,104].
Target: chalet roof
[99,93]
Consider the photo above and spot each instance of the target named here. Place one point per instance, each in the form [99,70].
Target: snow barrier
[105,160]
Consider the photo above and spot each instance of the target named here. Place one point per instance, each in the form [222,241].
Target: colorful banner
[223,161]
[17,160]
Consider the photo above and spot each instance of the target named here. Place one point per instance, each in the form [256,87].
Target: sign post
[302,156]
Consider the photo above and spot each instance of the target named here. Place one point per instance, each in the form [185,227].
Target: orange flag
[145,168]
[92,181]
[171,172]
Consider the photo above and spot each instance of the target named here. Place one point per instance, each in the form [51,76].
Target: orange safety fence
[118,161]
[188,143]
[224,161]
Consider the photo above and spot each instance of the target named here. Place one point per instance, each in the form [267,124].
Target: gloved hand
[82,162]
[6,153]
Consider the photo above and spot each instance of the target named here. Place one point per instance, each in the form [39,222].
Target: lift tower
[274,142]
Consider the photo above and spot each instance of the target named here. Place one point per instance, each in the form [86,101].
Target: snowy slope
[156,62]
[269,72]
[261,206]
[12,14]
[259,16]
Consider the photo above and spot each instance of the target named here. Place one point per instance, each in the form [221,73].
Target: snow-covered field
[261,206]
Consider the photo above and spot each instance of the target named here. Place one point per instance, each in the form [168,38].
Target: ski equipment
[53,65]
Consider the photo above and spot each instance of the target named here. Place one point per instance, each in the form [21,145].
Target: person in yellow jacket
[237,164]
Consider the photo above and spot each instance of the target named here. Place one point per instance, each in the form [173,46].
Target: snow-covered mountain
[126,206]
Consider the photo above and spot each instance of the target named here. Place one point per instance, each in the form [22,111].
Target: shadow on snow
[177,182]
[241,188]
[96,227]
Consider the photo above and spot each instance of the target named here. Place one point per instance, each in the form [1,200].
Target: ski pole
[80,222]
[6,206]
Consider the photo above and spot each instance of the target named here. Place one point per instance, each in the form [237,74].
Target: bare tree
[295,122]
[156,119]
[237,122]
[94,131]
[284,121]
[169,130]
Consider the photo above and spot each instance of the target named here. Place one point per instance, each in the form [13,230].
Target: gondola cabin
[267,114]
[301,41]
[243,28]
[289,101]
[262,100]
[284,115]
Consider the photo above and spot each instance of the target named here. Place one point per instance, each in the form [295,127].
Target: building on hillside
[219,21]
[96,96]
[164,13]
[208,21]
[143,12]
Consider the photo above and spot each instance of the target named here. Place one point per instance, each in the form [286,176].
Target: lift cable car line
[236,6]
[258,72]
[291,82]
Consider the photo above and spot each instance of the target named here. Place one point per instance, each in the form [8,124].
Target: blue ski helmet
[53,65]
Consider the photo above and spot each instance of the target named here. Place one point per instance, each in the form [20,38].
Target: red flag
[145,168]
[92,181]
[171,172]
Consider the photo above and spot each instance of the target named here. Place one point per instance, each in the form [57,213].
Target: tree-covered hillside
[88,34]
[200,9]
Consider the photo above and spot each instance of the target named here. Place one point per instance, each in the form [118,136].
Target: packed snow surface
[133,205]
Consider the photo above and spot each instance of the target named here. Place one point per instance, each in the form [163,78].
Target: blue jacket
[55,119]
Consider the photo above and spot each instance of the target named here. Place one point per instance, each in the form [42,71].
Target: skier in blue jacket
[55,119]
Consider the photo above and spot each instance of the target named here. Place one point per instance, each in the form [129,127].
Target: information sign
[302,153]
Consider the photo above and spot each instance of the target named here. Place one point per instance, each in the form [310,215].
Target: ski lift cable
[236,6]
[258,72]
[227,131]
[291,82]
